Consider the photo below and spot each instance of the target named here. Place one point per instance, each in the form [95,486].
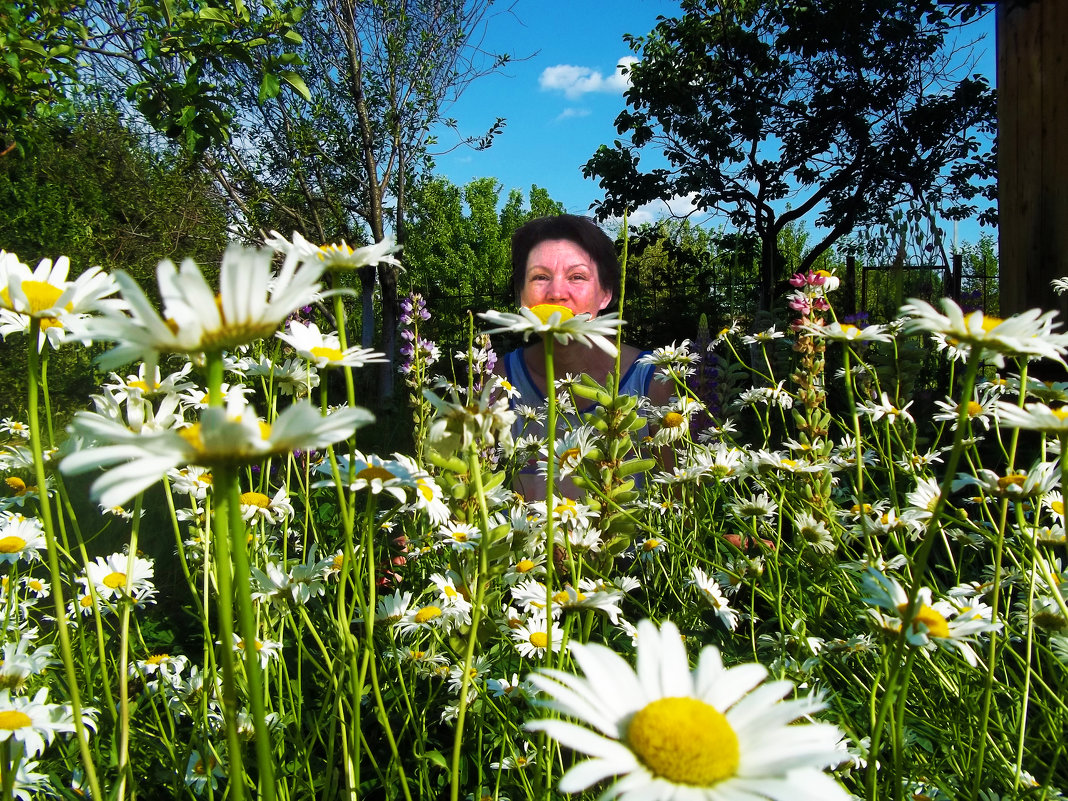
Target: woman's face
[562,273]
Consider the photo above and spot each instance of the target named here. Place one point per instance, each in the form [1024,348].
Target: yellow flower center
[333,250]
[673,420]
[974,408]
[255,499]
[684,741]
[1061,412]
[539,639]
[569,455]
[933,620]
[114,581]
[12,544]
[141,385]
[425,489]
[85,602]
[339,560]
[36,585]
[564,597]
[157,659]
[524,565]
[990,323]
[372,472]
[191,434]
[543,311]
[459,536]
[565,507]
[16,484]
[850,331]
[12,719]
[651,544]
[39,295]
[1014,480]
[330,354]
[1057,507]
[427,613]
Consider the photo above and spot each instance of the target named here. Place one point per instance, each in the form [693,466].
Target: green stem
[979,756]
[246,616]
[476,619]
[55,574]
[124,768]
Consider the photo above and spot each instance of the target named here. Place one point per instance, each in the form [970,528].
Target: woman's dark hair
[581,231]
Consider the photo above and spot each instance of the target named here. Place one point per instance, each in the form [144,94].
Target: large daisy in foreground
[664,732]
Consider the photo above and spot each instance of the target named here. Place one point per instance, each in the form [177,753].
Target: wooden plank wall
[1032,76]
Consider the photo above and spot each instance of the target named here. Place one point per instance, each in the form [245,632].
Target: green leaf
[32,46]
[270,86]
[438,759]
[297,83]
[213,15]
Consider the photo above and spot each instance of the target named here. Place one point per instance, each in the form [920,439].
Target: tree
[379,75]
[459,248]
[841,109]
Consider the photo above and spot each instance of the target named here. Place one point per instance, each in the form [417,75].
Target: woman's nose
[557,289]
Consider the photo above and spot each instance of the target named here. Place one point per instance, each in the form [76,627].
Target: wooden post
[1032,77]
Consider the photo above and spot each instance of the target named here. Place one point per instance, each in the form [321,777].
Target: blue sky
[561,101]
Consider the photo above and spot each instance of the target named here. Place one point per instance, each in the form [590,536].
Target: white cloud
[576,81]
[678,206]
[572,113]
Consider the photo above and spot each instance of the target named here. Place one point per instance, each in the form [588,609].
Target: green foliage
[92,190]
[36,62]
[816,105]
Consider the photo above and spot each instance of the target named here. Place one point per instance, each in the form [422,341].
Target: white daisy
[714,597]
[256,506]
[231,435]
[251,304]
[21,538]
[108,575]
[324,350]
[20,662]
[885,409]
[950,624]
[47,296]
[531,638]
[559,322]
[34,722]
[1034,417]
[1028,334]
[666,732]
[838,332]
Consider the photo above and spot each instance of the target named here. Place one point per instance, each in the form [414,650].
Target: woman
[568,261]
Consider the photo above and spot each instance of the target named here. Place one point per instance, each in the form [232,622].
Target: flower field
[812,575]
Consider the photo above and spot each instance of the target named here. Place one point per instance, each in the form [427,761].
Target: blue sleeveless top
[635,381]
